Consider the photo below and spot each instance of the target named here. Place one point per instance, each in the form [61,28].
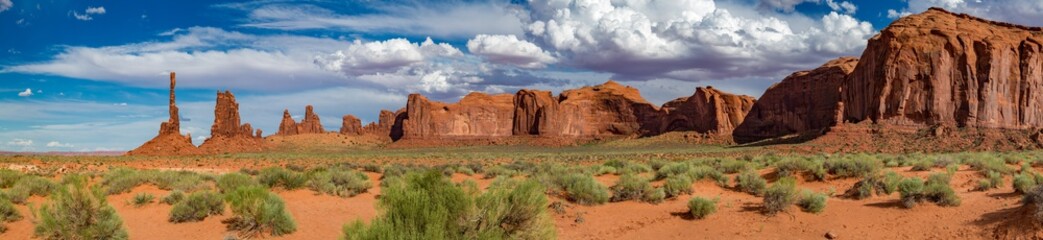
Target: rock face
[351,125]
[535,112]
[310,124]
[477,115]
[169,141]
[603,110]
[707,111]
[227,135]
[940,68]
[804,102]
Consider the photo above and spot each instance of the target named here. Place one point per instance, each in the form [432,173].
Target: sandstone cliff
[477,115]
[708,110]
[169,141]
[804,102]
[535,112]
[351,125]
[940,68]
[604,110]
[226,134]
[309,125]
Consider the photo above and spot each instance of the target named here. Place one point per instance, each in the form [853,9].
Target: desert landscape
[934,132]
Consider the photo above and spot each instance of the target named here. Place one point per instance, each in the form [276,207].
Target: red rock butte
[169,141]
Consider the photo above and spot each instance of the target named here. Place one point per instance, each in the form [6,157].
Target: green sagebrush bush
[281,177]
[429,206]
[780,195]
[750,182]
[630,187]
[230,181]
[257,211]
[339,182]
[701,207]
[196,207]
[78,212]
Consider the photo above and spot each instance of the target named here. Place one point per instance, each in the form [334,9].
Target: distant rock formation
[169,141]
[806,102]
[477,115]
[535,112]
[608,109]
[309,125]
[351,125]
[941,68]
[226,135]
[708,110]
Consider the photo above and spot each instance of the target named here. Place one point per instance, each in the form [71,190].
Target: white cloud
[383,56]
[26,93]
[844,6]
[95,10]
[1026,12]
[508,49]
[447,20]
[784,5]
[81,17]
[893,14]
[5,5]
[56,144]
[688,40]
[20,142]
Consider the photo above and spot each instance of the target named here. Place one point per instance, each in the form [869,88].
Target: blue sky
[91,75]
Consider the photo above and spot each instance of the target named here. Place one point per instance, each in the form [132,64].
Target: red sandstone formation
[604,110]
[477,115]
[707,111]
[806,102]
[535,112]
[226,135]
[310,124]
[169,141]
[351,125]
[940,68]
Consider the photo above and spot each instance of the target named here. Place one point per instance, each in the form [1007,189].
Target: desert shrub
[603,170]
[121,180]
[196,207]
[583,189]
[670,169]
[633,168]
[230,181]
[991,180]
[257,211]
[1033,200]
[31,186]
[937,190]
[812,202]
[750,182]
[858,166]
[78,212]
[512,210]
[630,187]
[373,168]
[428,206]
[987,164]
[7,213]
[910,191]
[701,207]
[656,164]
[889,184]
[780,195]
[280,177]
[9,177]
[141,199]
[880,184]
[794,166]
[340,182]
[922,165]
[173,197]
[732,166]
[1023,182]
[657,195]
[677,185]
[498,171]
[176,180]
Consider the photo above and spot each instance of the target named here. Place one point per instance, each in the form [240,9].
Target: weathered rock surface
[708,110]
[940,68]
[604,110]
[351,125]
[309,125]
[227,135]
[169,141]
[477,115]
[535,112]
[804,102]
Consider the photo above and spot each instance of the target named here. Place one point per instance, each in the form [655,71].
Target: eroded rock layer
[940,68]
[477,115]
[708,110]
[603,110]
[804,102]
[309,125]
[169,141]
[226,134]
[351,125]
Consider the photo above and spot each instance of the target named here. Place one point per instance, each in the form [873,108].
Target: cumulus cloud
[844,6]
[57,144]
[1024,12]
[95,10]
[783,5]
[894,14]
[5,5]
[508,49]
[26,93]
[88,13]
[687,40]
[382,56]
[20,142]
[450,19]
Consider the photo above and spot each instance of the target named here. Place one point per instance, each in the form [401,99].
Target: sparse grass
[7,213]
[196,207]
[281,177]
[340,182]
[991,180]
[853,166]
[583,189]
[142,199]
[31,186]
[750,182]
[780,195]
[910,191]
[1025,181]
[657,195]
[677,185]
[9,177]
[256,211]
[230,181]
[630,187]
[173,197]
[78,212]
[813,202]
[793,166]
[701,207]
